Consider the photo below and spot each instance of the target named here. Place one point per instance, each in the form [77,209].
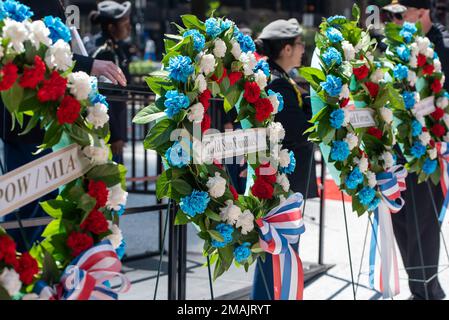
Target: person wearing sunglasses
[404,222]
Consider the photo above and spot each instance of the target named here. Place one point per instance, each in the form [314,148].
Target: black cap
[399,6]
[114,10]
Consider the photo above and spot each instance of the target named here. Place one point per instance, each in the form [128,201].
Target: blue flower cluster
[58,30]
[334,35]
[337,117]
[407,31]
[354,179]
[374,204]
[195,203]
[279,97]
[339,151]
[400,72]
[225,231]
[198,39]
[174,102]
[403,52]
[416,128]
[245,41]
[213,28]
[225,25]
[180,68]
[14,10]
[242,253]
[429,166]
[366,195]
[94,95]
[418,150]
[337,17]
[409,99]
[120,212]
[331,56]
[332,85]
[264,66]
[177,156]
[291,166]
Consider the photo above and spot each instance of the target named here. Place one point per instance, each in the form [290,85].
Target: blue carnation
[334,35]
[279,97]
[374,204]
[354,179]
[435,55]
[225,231]
[403,52]
[120,250]
[291,166]
[333,18]
[264,66]
[15,10]
[180,68]
[400,72]
[237,34]
[177,156]
[195,203]
[416,128]
[242,253]
[407,31]
[418,150]
[429,166]
[99,98]
[58,30]
[332,85]
[120,212]
[247,44]
[213,27]
[366,195]
[332,56]
[339,151]
[409,99]
[198,39]
[174,102]
[337,117]
[225,25]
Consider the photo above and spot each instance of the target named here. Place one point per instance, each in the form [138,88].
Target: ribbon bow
[391,184]
[85,277]
[278,230]
[443,159]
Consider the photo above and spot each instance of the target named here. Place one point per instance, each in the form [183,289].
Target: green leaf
[13,97]
[148,114]
[215,235]
[34,120]
[159,81]
[86,203]
[219,269]
[163,185]
[51,273]
[52,135]
[313,76]
[108,173]
[52,228]
[182,187]
[212,215]
[55,208]
[4,295]
[192,22]
[356,12]
[159,134]
[79,135]
[181,218]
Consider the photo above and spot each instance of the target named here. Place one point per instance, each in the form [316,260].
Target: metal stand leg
[173,237]
[182,262]
[348,244]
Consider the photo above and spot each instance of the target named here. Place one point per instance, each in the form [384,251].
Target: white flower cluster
[233,215]
[97,155]
[216,185]
[388,160]
[249,63]
[116,197]
[10,281]
[196,113]
[276,132]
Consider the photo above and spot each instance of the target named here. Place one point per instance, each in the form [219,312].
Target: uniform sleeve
[83,63]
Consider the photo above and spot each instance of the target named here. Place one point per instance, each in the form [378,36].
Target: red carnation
[264,108]
[69,110]
[204,98]
[428,69]
[79,242]
[252,92]
[95,223]
[27,268]
[33,76]
[234,77]
[373,88]
[218,164]
[438,130]
[267,173]
[344,102]
[424,129]
[262,190]
[8,75]
[375,132]
[436,86]
[53,88]
[205,124]
[421,60]
[99,191]
[361,72]
[234,192]
[219,81]
[8,250]
[432,143]
[437,114]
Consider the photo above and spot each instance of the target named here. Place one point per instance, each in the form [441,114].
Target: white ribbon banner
[362,118]
[424,107]
[37,178]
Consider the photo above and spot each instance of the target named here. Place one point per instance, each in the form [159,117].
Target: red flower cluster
[344,102]
[204,98]
[79,242]
[99,191]
[436,86]
[52,89]
[421,60]
[263,186]
[428,69]
[361,72]
[252,92]
[264,108]
[27,268]
[375,132]
[373,88]
[69,110]
[437,114]
[8,250]
[32,76]
[234,77]
[266,172]
[205,124]
[438,130]
[223,76]
[8,75]
[95,223]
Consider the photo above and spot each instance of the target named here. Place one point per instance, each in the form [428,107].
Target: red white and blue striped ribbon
[278,230]
[391,184]
[443,158]
[85,277]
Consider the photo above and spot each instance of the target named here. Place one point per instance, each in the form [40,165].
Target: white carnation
[372,181]
[412,77]
[246,222]
[98,115]
[261,79]
[274,102]
[10,280]
[423,43]
[387,115]
[97,155]
[284,158]
[377,76]
[207,64]
[17,33]
[116,197]
[429,53]
[276,132]
[249,63]
[231,213]
[344,94]
[362,163]
[236,50]
[437,65]
[201,83]
[216,185]
[442,102]
[413,62]
[414,50]
[421,120]
[79,84]
[446,119]
[39,33]
[352,140]
[219,48]
[432,153]
[116,236]
[388,160]
[196,113]
[425,138]
[349,50]
[283,181]
[59,56]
